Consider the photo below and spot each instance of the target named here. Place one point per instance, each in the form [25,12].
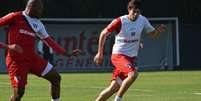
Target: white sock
[56,99]
[117,98]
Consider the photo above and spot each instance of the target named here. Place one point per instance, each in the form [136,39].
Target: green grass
[150,86]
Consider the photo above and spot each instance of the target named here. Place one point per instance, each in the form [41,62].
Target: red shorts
[18,69]
[122,66]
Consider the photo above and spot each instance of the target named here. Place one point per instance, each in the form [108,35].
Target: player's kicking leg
[109,91]
[45,70]
[54,78]
[132,76]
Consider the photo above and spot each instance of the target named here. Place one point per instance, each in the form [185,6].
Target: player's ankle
[117,98]
[56,99]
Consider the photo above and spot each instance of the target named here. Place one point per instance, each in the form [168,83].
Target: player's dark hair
[134,4]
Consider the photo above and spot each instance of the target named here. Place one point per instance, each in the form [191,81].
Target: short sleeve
[115,25]
[147,26]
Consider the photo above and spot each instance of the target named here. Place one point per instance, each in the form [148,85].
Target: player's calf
[54,78]
[109,91]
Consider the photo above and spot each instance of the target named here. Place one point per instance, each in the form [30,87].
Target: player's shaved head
[34,8]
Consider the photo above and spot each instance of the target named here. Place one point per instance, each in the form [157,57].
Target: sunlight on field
[150,86]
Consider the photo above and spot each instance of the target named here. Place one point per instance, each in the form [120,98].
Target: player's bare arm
[98,59]
[161,28]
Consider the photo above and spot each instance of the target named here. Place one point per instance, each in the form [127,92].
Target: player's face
[134,13]
[35,8]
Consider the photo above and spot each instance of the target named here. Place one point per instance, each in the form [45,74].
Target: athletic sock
[117,98]
[56,99]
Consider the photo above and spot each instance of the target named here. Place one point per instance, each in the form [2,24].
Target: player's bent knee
[136,74]
[133,75]
[53,77]
[56,80]
[114,88]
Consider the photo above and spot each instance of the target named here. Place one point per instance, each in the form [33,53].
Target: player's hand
[141,45]
[161,28]
[75,52]
[15,47]
[98,59]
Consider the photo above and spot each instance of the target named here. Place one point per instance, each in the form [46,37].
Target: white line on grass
[197,93]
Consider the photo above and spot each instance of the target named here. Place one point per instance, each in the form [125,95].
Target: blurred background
[188,13]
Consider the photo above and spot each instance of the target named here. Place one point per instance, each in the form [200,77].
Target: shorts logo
[17,78]
[129,65]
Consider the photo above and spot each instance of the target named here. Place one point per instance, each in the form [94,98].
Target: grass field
[150,86]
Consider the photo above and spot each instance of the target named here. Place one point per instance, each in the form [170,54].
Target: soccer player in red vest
[128,30]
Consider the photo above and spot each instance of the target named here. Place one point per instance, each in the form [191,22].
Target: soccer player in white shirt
[125,49]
